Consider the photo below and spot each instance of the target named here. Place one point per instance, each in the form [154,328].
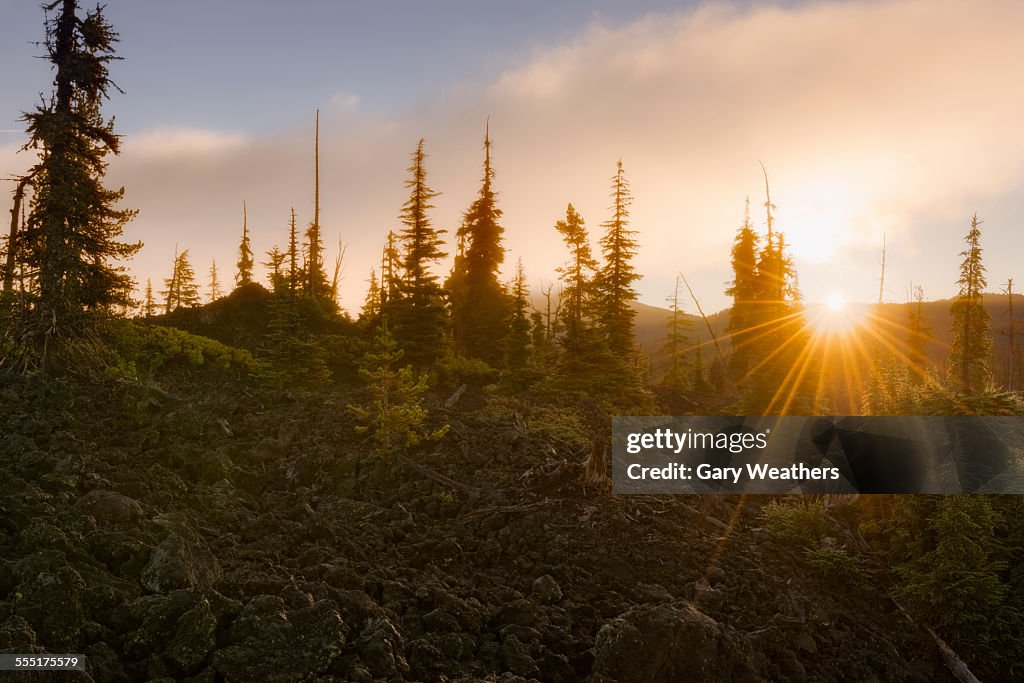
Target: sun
[835,302]
[835,315]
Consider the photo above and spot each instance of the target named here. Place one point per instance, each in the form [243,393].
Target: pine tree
[71,236]
[245,260]
[617,275]
[918,334]
[516,376]
[952,577]
[744,292]
[782,375]
[478,302]
[390,266]
[677,341]
[149,305]
[181,288]
[578,273]
[372,304]
[296,359]
[971,348]
[418,312]
[275,266]
[215,292]
[395,415]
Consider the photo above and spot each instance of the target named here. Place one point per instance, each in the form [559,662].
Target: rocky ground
[208,536]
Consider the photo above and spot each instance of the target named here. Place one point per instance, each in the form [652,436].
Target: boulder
[675,642]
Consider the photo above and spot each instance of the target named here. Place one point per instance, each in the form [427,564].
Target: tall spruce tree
[479,305]
[418,312]
[617,275]
[245,260]
[577,274]
[971,348]
[744,292]
[71,236]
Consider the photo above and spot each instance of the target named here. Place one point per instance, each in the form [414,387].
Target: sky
[898,119]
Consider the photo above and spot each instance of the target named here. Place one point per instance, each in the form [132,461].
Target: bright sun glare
[835,302]
[835,315]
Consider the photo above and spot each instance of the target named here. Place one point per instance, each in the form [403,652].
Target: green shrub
[835,563]
[800,524]
[140,350]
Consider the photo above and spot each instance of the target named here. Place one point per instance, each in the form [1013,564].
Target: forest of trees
[422,330]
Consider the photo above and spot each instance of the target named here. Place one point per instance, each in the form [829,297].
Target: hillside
[213,531]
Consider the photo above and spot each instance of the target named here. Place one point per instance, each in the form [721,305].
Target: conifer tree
[372,304]
[275,266]
[395,415]
[71,236]
[516,376]
[296,359]
[418,312]
[744,292]
[918,333]
[617,275]
[390,267]
[149,305]
[215,292]
[676,341]
[478,302]
[245,260]
[971,348]
[181,288]
[952,576]
[781,375]
[578,273]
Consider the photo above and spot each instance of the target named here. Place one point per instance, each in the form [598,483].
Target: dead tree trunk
[12,240]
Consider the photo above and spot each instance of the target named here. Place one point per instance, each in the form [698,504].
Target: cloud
[183,144]
[871,117]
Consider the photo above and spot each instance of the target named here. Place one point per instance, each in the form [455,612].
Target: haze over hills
[651,327]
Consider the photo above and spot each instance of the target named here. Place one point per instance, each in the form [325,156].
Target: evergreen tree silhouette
[275,265]
[971,348]
[181,287]
[516,376]
[215,292]
[577,274]
[479,305]
[744,292]
[245,259]
[71,237]
[918,334]
[418,312]
[148,304]
[614,284]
